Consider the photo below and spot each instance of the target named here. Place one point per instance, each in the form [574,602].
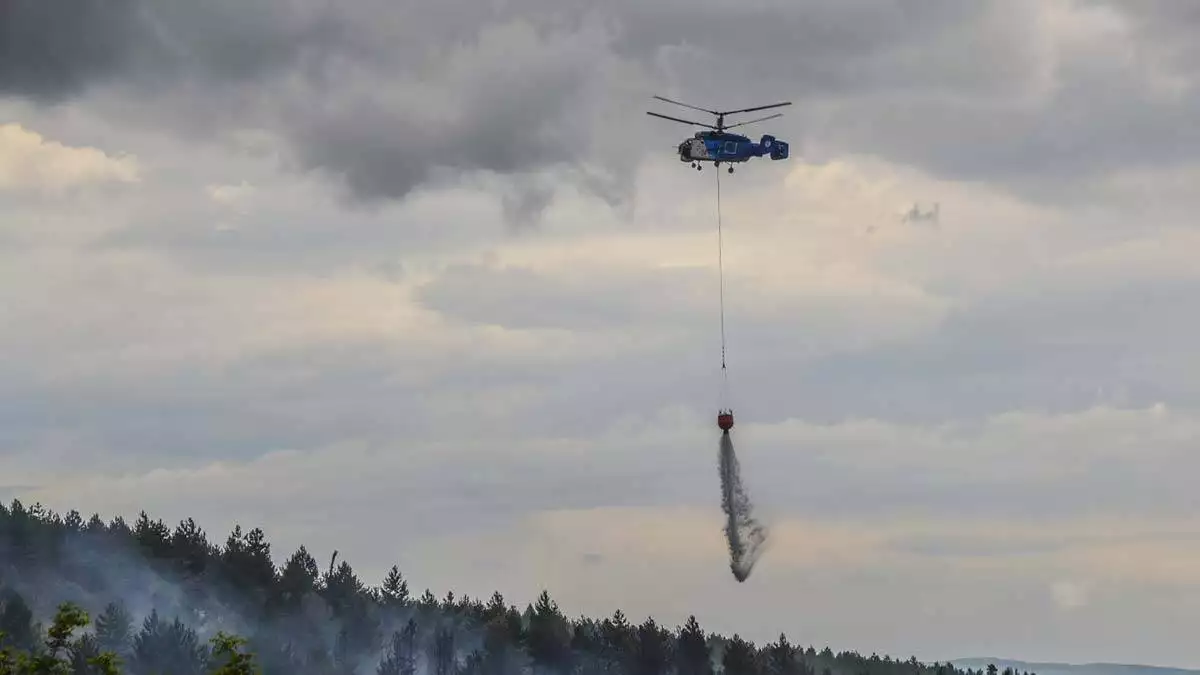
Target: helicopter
[915,214]
[718,146]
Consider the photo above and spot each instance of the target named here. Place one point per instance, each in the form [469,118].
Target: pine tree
[394,592]
[739,657]
[782,658]
[153,536]
[167,647]
[444,658]
[652,649]
[16,621]
[95,525]
[191,549]
[114,629]
[692,655]
[500,655]
[83,652]
[401,656]
[297,579]
[617,644]
[548,635]
[73,521]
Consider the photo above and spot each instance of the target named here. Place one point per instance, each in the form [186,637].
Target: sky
[421,282]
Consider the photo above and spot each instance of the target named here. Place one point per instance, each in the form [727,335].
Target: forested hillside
[158,596]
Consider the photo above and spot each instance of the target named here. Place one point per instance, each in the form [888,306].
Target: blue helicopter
[718,146]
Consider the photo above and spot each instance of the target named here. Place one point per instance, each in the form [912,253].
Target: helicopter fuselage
[718,147]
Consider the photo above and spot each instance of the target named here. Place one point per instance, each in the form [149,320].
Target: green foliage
[237,661]
[56,655]
[61,652]
[307,621]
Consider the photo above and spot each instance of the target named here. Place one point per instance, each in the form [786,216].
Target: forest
[93,597]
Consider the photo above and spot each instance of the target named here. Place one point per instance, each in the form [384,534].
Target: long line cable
[721,274]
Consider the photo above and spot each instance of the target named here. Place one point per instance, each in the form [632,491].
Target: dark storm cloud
[833,44]
[52,49]
[381,97]
[988,91]
[386,98]
[515,101]
[809,49]
[1105,108]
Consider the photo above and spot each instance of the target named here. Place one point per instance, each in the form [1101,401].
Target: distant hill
[1071,669]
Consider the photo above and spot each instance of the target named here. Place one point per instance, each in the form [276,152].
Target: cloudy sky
[427,269]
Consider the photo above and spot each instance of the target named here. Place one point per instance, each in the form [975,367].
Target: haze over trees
[89,597]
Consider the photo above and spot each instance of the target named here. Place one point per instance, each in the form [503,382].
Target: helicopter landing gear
[731,169]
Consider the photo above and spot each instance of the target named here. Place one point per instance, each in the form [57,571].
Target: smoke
[297,625]
[746,536]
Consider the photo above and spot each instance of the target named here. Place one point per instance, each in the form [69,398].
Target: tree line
[148,599]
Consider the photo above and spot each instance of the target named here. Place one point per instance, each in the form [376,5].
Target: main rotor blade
[768,117]
[676,119]
[688,105]
[760,107]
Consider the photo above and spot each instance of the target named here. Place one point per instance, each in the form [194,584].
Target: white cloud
[30,162]
[235,198]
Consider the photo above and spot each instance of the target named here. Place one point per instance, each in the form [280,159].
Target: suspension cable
[721,273]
